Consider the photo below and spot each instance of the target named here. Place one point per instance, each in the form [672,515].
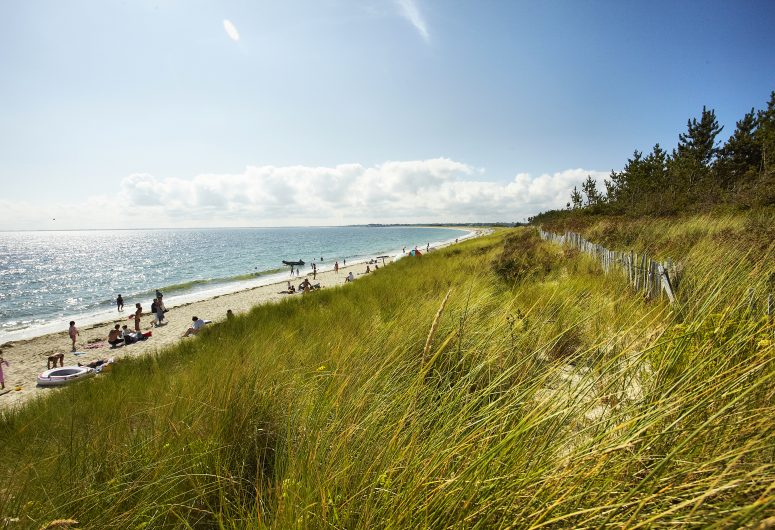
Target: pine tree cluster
[698,174]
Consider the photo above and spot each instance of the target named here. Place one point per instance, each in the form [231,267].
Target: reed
[554,399]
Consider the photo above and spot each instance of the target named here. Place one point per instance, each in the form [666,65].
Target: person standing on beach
[159,312]
[138,314]
[336,267]
[120,303]
[314,271]
[2,376]
[73,332]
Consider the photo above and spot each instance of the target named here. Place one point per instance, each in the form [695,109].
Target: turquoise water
[48,278]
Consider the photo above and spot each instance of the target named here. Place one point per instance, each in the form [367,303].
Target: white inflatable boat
[64,375]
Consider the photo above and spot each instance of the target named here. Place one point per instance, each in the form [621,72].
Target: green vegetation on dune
[543,393]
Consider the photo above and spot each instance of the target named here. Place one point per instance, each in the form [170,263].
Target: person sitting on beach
[229,314]
[368,269]
[349,277]
[197,325]
[127,336]
[53,359]
[114,337]
[305,286]
[290,290]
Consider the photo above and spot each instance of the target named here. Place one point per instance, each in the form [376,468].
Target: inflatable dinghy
[294,263]
[64,375]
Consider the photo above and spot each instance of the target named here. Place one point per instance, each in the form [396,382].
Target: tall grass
[553,398]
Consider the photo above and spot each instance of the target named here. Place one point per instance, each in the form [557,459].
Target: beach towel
[94,345]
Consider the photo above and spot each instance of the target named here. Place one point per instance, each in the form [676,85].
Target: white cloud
[433,190]
[410,11]
[231,30]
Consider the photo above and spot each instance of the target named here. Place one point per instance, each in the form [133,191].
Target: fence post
[666,284]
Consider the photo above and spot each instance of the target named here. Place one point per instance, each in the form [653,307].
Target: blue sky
[331,112]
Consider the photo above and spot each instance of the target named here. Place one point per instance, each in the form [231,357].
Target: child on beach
[2,376]
[73,332]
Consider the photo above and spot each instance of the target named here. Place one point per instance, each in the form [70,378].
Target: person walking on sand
[2,376]
[138,314]
[73,332]
[120,303]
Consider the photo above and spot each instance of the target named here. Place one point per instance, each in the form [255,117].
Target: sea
[48,278]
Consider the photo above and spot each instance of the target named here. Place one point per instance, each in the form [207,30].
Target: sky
[186,113]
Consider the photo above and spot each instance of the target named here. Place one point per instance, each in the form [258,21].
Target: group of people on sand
[123,336]
[304,287]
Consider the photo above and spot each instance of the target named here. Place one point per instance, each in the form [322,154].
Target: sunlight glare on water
[46,276]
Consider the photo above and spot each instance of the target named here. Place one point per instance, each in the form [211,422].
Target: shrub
[525,255]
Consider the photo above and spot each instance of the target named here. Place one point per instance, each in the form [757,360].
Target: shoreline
[27,357]
[208,288]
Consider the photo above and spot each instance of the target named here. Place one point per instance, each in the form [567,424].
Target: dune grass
[552,398]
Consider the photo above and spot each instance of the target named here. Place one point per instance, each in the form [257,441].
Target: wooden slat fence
[655,278]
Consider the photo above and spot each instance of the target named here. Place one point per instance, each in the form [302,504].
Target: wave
[185,286]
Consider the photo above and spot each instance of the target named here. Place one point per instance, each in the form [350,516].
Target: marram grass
[559,400]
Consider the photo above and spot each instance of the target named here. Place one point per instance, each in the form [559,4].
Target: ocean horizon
[48,277]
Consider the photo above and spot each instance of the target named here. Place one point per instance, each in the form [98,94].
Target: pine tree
[691,162]
[765,134]
[699,142]
[575,198]
[741,157]
[589,187]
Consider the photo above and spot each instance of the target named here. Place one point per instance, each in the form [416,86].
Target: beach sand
[27,358]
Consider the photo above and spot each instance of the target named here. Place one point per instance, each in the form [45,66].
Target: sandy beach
[27,358]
